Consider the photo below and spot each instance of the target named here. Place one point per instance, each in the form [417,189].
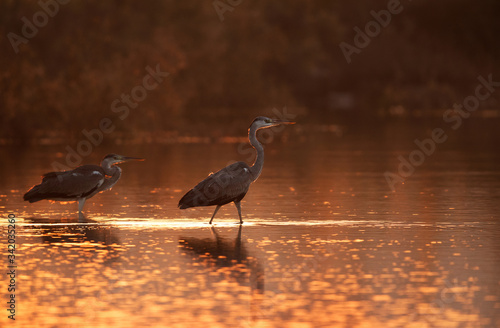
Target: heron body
[79,184]
[232,182]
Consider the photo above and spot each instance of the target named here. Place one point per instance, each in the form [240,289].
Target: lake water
[325,242]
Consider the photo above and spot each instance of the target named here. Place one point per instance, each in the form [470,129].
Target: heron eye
[269,121]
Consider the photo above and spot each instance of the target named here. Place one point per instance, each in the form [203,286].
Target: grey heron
[79,184]
[232,255]
[232,182]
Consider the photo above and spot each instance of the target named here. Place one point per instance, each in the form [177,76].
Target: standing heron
[232,182]
[79,184]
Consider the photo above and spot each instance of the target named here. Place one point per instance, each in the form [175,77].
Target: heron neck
[114,172]
[256,168]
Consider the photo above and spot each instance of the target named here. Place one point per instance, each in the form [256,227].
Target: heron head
[265,122]
[113,159]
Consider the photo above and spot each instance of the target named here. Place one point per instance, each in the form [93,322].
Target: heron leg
[81,202]
[81,217]
[238,206]
[215,212]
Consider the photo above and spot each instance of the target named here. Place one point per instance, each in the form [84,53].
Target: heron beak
[282,122]
[126,159]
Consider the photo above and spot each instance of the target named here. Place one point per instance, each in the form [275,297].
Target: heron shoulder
[238,166]
[85,176]
[238,170]
[89,170]
[84,170]
[236,173]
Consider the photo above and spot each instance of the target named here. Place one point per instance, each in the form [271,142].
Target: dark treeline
[74,70]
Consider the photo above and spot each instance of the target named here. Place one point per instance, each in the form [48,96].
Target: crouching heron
[232,182]
[79,184]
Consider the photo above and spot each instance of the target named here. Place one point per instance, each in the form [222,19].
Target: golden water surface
[325,243]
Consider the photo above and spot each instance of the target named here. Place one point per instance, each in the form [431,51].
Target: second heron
[232,182]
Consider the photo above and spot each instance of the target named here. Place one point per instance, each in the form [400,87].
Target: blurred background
[227,64]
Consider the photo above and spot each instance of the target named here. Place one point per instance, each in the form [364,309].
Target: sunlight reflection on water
[357,274]
[323,245]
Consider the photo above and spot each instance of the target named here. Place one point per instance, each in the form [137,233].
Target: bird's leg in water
[81,217]
[238,206]
[81,202]
[215,212]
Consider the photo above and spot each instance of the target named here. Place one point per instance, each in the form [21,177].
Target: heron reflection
[218,253]
[77,231]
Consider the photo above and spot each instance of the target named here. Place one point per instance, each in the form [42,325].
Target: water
[325,242]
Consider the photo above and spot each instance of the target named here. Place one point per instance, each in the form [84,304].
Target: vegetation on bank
[89,56]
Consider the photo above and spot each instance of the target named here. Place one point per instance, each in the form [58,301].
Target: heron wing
[74,184]
[225,186]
